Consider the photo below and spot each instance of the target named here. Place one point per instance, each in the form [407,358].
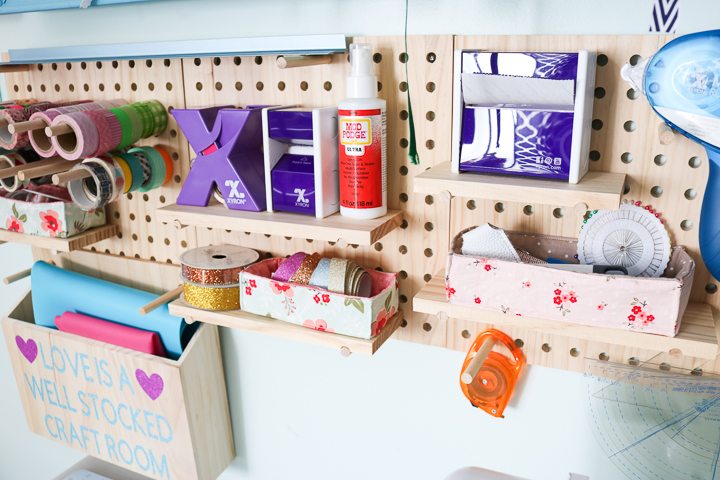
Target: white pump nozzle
[362,82]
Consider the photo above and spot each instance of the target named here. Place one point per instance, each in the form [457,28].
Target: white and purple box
[524,114]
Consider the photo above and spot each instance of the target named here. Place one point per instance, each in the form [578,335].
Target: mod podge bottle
[363,140]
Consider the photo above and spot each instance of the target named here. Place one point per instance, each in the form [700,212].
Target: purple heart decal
[152,385]
[28,349]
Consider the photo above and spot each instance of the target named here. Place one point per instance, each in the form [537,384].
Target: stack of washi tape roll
[337,275]
[211,275]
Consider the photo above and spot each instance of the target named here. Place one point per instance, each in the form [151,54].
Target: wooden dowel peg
[28,126]
[665,134]
[178,225]
[17,276]
[445,196]
[342,243]
[345,351]
[56,130]
[442,316]
[189,320]
[303,61]
[46,167]
[70,175]
[161,300]
[474,366]
[580,209]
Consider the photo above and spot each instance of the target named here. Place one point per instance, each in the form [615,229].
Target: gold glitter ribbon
[307,267]
[338,272]
[212,298]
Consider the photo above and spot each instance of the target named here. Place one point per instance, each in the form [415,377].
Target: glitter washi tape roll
[11,183]
[136,169]
[338,272]
[160,116]
[168,164]
[307,267]
[127,173]
[135,121]
[156,165]
[288,267]
[83,139]
[104,134]
[146,117]
[320,276]
[93,192]
[126,126]
[216,265]
[217,297]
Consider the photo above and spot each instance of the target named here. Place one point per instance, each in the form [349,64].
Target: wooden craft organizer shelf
[277,328]
[76,242]
[334,228]
[596,190]
[698,336]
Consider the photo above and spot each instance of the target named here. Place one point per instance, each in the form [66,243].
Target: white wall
[399,414]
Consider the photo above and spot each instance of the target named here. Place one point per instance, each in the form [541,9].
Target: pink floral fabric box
[650,305]
[56,220]
[315,308]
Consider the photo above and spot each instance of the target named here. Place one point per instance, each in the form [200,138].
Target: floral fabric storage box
[316,308]
[56,219]
[650,305]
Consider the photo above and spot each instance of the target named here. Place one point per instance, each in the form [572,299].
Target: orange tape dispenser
[488,378]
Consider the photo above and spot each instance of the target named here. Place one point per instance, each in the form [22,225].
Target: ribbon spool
[345,277]
[488,378]
[11,183]
[92,192]
[211,275]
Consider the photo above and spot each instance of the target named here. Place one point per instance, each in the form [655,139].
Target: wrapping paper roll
[105,138]
[112,333]
[81,142]
[7,161]
[136,169]
[56,291]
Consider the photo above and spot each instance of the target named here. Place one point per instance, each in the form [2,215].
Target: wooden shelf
[698,336]
[277,328]
[76,242]
[331,229]
[598,190]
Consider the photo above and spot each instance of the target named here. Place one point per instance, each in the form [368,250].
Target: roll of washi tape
[11,183]
[365,287]
[115,128]
[105,139]
[336,277]
[307,267]
[114,170]
[81,142]
[352,268]
[211,297]
[125,125]
[288,267]
[93,192]
[135,121]
[160,116]
[146,117]
[168,163]
[127,173]
[136,170]
[216,265]
[146,169]
[320,276]
[8,140]
[39,140]
[157,167]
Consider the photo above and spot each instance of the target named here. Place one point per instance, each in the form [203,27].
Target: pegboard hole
[403,86]
[430,116]
[258,60]
[574,352]
[404,224]
[379,246]
[427,277]
[327,86]
[403,170]
[173,133]
[133,87]
[29,88]
[604,357]
[686,225]
[429,226]
[695,162]
[379,87]
[635,59]
[430,144]
[471,205]
[281,86]
[597,124]
[403,324]
[183,244]
[430,87]
[57,87]
[218,86]
[629,126]
[546,347]
[199,86]
[403,115]
[303,86]
[177,179]
[599,93]
[168,86]
[117,87]
[166,62]
[162,198]
[145,197]
[660,160]
[167,242]
[216,61]
[116,214]
[499,207]
[259,86]
[402,249]
[402,275]
[632,94]
[690,193]
[664,366]
[696,371]
[528,210]
[465,334]
[97,64]
[403,57]
[558,213]
[711,288]
[132,215]
[198,62]
[42,87]
[238,86]
[403,299]
[431,57]
[428,252]
[40,67]
[150,239]
[626,157]
[427,327]
[519,343]
[131,64]
[404,143]
[377,58]
[68,65]
[148,63]
[403,197]
[594,155]
[626,189]
[16,88]
[602,60]
[656,191]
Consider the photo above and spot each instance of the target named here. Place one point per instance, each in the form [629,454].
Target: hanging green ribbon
[412,150]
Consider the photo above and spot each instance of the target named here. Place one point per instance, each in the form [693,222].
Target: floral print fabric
[55,220]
